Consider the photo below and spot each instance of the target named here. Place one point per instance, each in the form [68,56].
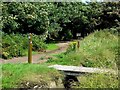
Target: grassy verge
[99,49]
[98,81]
[15,74]
[52,46]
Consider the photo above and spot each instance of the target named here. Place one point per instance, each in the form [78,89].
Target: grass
[0,77]
[14,74]
[98,81]
[99,49]
[52,46]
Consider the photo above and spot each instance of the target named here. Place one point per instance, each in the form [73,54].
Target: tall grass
[97,50]
[98,81]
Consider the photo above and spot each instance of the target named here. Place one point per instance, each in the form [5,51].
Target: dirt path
[36,58]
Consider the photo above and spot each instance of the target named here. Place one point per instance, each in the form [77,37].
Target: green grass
[52,46]
[33,52]
[14,74]
[99,49]
[0,76]
[98,81]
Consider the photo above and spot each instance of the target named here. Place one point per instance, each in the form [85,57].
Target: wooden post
[30,49]
[78,41]
[78,44]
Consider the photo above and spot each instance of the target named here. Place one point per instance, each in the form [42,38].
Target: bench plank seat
[77,69]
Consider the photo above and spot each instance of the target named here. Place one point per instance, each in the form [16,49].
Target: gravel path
[36,58]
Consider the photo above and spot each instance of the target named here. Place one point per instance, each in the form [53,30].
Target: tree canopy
[59,20]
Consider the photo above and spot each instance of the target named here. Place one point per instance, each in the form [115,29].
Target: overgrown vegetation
[99,49]
[59,20]
[98,81]
[16,45]
[72,47]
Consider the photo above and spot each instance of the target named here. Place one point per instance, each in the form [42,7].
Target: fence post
[30,49]
[78,44]
[78,41]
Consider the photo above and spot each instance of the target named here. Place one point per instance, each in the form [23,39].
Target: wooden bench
[75,70]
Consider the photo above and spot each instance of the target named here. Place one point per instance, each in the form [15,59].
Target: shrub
[38,43]
[15,45]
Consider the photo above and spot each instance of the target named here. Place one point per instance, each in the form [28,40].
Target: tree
[25,18]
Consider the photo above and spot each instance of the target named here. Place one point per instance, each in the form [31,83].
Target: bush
[12,45]
[38,43]
[15,45]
